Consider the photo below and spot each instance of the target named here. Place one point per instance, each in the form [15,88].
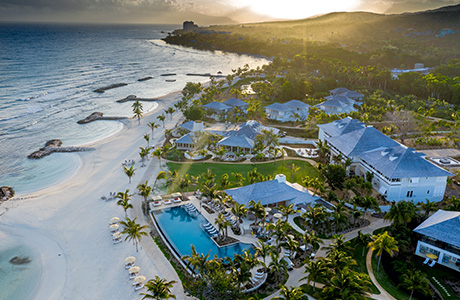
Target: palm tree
[158,152]
[338,244]
[133,231]
[240,211]
[152,126]
[315,270]
[294,170]
[147,139]
[144,153]
[415,280]
[401,213]
[222,224]
[383,242]
[144,190]
[137,110]
[263,249]
[287,210]
[170,111]
[162,118]
[124,201]
[292,293]
[196,261]
[428,207]
[257,209]
[346,284]
[158,289]
[364,239]
[129,172]
[161,175]
[315,216]
[278,265]
[355,214]
[310,238]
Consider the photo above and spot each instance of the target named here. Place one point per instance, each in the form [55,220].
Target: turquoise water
[17,282]
[184,231]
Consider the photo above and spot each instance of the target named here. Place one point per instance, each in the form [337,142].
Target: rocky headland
[55,146]
[134,98]
[145,78]
[98,116]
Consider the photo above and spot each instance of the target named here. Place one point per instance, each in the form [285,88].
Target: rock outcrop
[145,78]
[109,87]
[98,116]
[55,146]
[134,98]
[6,193]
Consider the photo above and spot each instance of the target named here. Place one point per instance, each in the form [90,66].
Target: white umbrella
[114,220]
[268,209]
[156,198]
[116,235]
[135,269]
[139,279]
[130,259]
[278,215]
[176,195]
[114,226]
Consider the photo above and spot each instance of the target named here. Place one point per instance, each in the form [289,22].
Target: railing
[441,245]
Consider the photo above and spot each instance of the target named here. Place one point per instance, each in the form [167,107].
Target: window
[410,194]
[428,192]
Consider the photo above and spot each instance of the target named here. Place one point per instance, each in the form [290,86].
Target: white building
[341,101]
[289,111]
[400,173]
[440,239]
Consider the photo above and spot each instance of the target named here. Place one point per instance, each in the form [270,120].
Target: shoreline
[58,212]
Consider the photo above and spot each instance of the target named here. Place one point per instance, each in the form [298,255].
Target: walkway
[384,295]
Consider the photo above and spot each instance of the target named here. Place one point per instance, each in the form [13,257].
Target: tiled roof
[297,104]
[352,94]
[401,162]
[235,102]
[187,125]
[443,226]
[358,141]
[278,107]
[339,90]
[186,139]
[217,106]
[342,126]
[270,192]
[237,141]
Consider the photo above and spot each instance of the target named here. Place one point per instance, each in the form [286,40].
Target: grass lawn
[357,255]
[269,168]
[438,272]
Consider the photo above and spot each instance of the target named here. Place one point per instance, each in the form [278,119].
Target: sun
[296,9]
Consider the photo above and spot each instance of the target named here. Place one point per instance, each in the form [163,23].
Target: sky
[202,12]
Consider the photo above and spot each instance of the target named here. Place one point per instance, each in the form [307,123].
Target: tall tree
[129,172]
[315,270]
[158,152]
[147,139]
[158,289]
[428,207]
[153,126]
[124,200]
[383,242]
[292,293]
[162,118]
[144,153]
[137,110]
[401,213]
[144,190]
[415,280]
[133,231]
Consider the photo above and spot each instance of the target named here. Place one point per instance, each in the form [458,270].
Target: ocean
[48,74]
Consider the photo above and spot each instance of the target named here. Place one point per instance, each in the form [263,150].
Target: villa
[341,100]
[220,109]
[235,137]
[400,173]
[289,111]
[440,239]
[276,192]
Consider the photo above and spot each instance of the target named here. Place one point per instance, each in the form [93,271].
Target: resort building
[400,173]
[440,239]
[290,111]
[185,142]
[218,110]
[234,143]
[341,100]
[276,192]
[192,126]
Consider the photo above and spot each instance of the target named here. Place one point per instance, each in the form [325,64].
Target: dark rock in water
[199,74]
[55,146]
[145,78]
[169,74]
[134,98]
[112,86]
[6,193]
[20,260]
[98,116]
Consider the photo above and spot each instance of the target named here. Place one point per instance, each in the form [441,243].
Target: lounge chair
[116,241]
[176,200]
[432,263]
[129,265]
[290,265]
[157,203]
[167,201]
[133,275]
[426,260]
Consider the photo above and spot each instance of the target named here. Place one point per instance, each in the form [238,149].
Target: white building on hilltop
[400,173]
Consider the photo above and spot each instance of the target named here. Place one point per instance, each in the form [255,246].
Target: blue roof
[297,104]
[186,139]
[358,141]
[235,102]
[237,141]
[339,90]
[270,192]
[342,126]
[248,131]
[401,162]
[217,106]
[278,107]
[352,94]
[187,125]
[443,226]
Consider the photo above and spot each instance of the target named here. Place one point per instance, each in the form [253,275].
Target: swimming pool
[183,231]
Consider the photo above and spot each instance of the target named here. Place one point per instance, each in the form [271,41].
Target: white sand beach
[68,224]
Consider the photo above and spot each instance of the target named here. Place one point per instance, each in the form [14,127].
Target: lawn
[270,168]
[357,255]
